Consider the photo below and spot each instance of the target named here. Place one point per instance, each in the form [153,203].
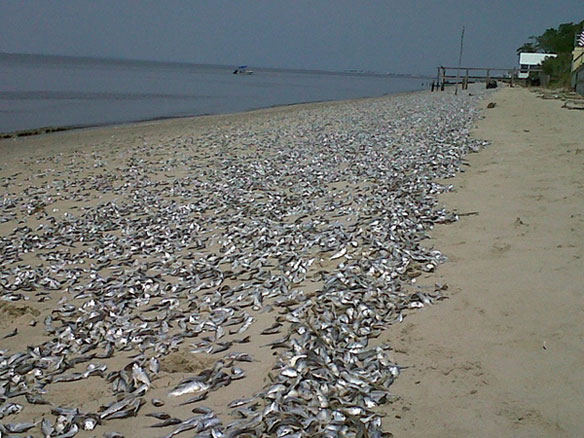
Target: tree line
[560,41]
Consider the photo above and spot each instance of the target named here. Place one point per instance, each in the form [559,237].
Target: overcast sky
[401,36]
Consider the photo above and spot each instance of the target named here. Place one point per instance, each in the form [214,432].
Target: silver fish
[189,386]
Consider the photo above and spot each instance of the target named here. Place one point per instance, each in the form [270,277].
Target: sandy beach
[161,224]
[502,357]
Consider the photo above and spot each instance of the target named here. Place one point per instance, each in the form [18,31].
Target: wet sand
[503,356]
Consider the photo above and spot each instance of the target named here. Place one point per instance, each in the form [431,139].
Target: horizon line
[352,71]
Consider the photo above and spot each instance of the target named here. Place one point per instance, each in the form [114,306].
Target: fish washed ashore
[228,278]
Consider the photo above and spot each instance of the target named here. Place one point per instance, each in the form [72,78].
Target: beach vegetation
[558,70]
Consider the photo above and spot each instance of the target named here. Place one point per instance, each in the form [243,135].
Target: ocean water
[39,91]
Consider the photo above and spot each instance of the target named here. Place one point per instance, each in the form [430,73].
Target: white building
[531,62]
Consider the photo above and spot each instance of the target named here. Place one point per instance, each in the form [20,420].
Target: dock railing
[450,75]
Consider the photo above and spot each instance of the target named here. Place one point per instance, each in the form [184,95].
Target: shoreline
[44,130]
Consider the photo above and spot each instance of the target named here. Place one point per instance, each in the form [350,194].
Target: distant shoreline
[101,59]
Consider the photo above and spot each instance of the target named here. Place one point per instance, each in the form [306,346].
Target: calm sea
[40,91]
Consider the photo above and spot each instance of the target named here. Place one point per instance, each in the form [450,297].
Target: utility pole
[459,61]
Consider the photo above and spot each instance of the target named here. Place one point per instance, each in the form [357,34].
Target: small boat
[242,70]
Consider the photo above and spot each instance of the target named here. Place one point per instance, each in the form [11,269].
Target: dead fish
[195,399]
[339,254]
[65,412]
[130,411]
[198,423]
[275,328]
[89,423]
[115,407]
[47,428]
[201,410]
[157,402]
[140,376]
[278,343]
[248,322]
[237,373]
[36,399]
[70,433]
[154,365]
[93,369]
[188,387]
[240,402]
[221,346]
[73,377]
[122,414]
[19,427]
[238,356]
[10,409]
[167,422]
[159,415]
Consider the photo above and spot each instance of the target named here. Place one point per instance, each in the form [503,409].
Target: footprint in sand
[501,247]
[521,225]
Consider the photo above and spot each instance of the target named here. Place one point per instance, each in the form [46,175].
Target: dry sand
[504,356]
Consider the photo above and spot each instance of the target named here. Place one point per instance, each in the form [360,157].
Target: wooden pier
[465,75]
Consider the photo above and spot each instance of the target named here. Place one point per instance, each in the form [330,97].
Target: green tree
[560,40]
[527,48]
[558,69]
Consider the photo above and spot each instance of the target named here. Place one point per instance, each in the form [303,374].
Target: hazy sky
[402,36]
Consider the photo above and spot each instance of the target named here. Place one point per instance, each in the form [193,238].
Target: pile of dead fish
[319,219]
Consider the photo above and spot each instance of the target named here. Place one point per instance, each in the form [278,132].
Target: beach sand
[503,356]
[92,161]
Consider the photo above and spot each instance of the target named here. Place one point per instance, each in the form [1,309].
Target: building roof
[534,58]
